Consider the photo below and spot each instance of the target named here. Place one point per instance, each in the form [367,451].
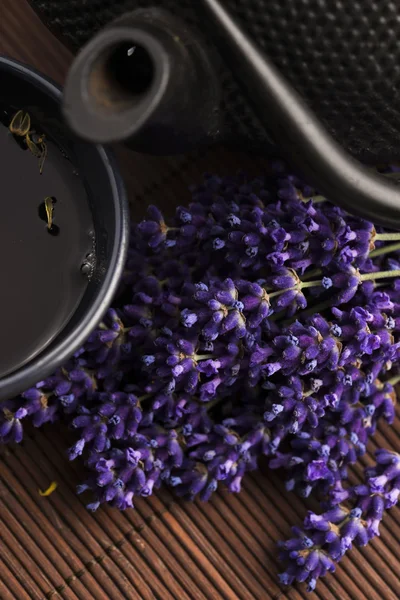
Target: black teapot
[319,78]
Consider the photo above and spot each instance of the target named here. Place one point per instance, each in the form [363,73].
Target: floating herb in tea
[37,145]
[20,126]
[46,213]
[49,205]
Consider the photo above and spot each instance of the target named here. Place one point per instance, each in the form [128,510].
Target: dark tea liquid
[41,279]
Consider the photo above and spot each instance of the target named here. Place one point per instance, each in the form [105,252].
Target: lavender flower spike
[325,538]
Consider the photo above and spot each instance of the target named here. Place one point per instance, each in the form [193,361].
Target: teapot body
[343,58]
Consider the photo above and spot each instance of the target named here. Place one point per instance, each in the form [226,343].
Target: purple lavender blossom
[325,538]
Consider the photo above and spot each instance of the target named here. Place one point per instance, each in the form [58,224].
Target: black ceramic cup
[23,87]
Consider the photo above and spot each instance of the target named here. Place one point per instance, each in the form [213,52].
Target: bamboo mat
[165,549]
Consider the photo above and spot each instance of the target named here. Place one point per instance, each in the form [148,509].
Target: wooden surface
[165,549]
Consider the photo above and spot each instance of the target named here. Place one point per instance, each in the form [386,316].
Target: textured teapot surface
[342,56]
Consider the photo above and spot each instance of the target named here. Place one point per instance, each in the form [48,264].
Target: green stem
[385,250]
[308,284]
[387,237]
[279,292]
[379,275]
[394,380]
[315,199]
[395,175]
[198,357]
[299,286]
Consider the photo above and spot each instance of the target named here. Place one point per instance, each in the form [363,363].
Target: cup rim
[59,352]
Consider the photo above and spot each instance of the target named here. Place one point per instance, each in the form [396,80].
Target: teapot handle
[302,137]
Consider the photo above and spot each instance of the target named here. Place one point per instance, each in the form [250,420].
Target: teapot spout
[147,81]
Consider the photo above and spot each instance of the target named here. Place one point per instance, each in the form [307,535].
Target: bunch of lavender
[261,321]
